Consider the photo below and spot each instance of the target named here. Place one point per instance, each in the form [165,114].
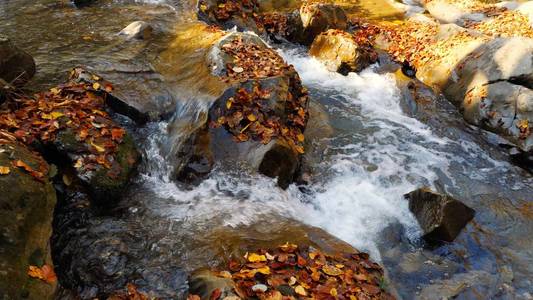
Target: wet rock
[118,105]
[204,282]
[16,66]
[447,12]
[100,254]
[440,216]
[26,212]
[340,52]
[82,3]
[105,184]
[277,159]
[317,18]
[137,30]
[254,124]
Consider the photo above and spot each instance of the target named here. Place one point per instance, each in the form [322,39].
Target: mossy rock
[105,185]
[26,212]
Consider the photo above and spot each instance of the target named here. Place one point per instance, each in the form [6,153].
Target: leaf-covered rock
[26,211]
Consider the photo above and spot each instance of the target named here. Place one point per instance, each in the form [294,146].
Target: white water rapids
[352,203]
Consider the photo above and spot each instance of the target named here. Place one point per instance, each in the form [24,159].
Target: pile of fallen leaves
[226,9]
[476,6]
[250,60]
[507,24]
[292,272]
[248,115]
[77,107]
[8,140]
[417,43]
[273,23]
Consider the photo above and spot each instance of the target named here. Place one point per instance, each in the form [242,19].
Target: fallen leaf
[300,291]
[332,270]
[4,170]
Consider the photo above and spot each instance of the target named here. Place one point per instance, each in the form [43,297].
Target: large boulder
[70,127]
[16,65]
[441,217]
[258,122]
[318,17]
[26,211]
[341,53]
[488,78]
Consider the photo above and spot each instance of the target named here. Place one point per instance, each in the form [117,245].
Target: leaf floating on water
[4,170]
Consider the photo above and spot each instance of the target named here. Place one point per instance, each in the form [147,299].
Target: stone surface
[26,212]
[105,185]
[137,30]
[210,145]
[340,52]
[317,18]
[440,216]
[16,66]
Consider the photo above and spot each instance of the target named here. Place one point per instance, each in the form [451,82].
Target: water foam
[354,204]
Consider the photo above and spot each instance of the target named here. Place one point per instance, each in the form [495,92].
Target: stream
[371,147]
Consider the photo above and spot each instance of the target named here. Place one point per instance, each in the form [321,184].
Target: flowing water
[372,146]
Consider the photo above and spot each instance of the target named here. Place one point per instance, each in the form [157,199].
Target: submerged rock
[16,66]
[340,52]
[137,30]
[441,217]
[26,210]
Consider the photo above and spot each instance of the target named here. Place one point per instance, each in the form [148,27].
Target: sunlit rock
[317,18]
[137,30]
[339,51]
[441,217]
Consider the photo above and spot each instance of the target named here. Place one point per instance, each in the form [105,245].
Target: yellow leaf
[352,297]
[228,104]
[35,272]
[333,292]
[4,170]
[300,137]
[331,270]
[96,86]
[264,270]
[203,7]
[78,164]
[56,114]
[67,180]
[251,117]
[98,148]
[300,291]
[253,257]
[55,91]
[95,77]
